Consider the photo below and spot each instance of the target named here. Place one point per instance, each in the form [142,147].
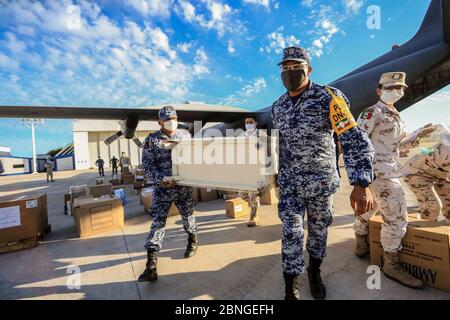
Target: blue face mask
[250,127]
[426,151]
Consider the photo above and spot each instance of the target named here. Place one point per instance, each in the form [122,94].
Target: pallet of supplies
[23,221]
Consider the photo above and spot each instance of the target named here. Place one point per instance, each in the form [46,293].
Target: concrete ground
[233,261]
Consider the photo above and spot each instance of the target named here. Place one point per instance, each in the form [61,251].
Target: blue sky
[135,53]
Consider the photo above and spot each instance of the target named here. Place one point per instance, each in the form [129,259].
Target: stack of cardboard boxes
[139,177]
[23,221]
[95,210]
[425,253]
[127,177]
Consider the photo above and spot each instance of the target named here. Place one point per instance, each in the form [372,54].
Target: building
[89,137]
[14,165]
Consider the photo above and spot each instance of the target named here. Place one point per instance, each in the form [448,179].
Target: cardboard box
[97,215]
[115,181]
[140,175]
[100,190]
[139,184]
[128,178]
[269,197]
[236,208]
[22,218]
[425,253]
[78,191]
[205,195]
[147,199]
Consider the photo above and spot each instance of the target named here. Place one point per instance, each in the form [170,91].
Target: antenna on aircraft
[32,123]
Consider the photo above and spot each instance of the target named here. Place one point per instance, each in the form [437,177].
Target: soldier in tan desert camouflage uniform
[385,129]
[428,177]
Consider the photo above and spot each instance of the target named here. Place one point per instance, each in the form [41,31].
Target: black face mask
[292,79]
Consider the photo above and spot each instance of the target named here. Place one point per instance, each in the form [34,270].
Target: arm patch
[340,116]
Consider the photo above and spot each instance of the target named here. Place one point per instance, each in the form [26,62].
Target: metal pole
[34,148]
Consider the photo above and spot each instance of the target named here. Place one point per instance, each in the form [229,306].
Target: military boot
[318,290]
[291,291]
[150,272]
[362,246]
[393,270]
[254,218]
[192,246]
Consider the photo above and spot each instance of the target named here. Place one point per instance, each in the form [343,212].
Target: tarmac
[233,261]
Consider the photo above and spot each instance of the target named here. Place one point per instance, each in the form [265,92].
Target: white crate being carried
[230,163]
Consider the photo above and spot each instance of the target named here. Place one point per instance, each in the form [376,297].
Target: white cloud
[255,87]
[101,63]
[201,62]
[161,41]
[278,41]
[276,5]
[307,3]
[185,46]
[247,91]
[354,5]
[134,31]
[13,44]
[219,15]
[8,63]
[25,30]
[152,7]
[230,47]
[264,3]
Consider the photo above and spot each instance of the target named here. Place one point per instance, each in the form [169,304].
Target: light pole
[32,123]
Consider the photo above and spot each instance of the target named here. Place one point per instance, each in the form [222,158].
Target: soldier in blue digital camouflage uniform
[306,116]
[157,164]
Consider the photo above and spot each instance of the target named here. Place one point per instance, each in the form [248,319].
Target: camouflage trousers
[391,203]
[251,197]
[432,193]
[291,210]
[162,200]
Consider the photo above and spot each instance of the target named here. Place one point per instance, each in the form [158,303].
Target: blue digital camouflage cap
[295,54]
[167,112]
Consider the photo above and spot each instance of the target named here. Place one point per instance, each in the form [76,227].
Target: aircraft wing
[184,113]
[425,59]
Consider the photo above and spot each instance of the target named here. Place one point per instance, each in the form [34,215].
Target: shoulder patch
[340,116]
[366,115]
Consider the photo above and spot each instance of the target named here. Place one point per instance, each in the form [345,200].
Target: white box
[241,163]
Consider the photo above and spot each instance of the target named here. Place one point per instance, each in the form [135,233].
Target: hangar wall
[89,136]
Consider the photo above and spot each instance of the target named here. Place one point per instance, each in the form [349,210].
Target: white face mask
[250,127]
[391,97]
[171,125]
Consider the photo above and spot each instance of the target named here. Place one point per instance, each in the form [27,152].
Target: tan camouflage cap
[393,79]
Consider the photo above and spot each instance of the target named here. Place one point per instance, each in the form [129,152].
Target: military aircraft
[425,58]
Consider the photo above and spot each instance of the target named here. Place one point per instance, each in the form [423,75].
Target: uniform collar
[162,134]
[388,108]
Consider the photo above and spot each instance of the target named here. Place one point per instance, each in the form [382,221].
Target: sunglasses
[299,66]
[390,88]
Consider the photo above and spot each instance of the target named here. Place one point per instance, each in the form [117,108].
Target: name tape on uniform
[340,116]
